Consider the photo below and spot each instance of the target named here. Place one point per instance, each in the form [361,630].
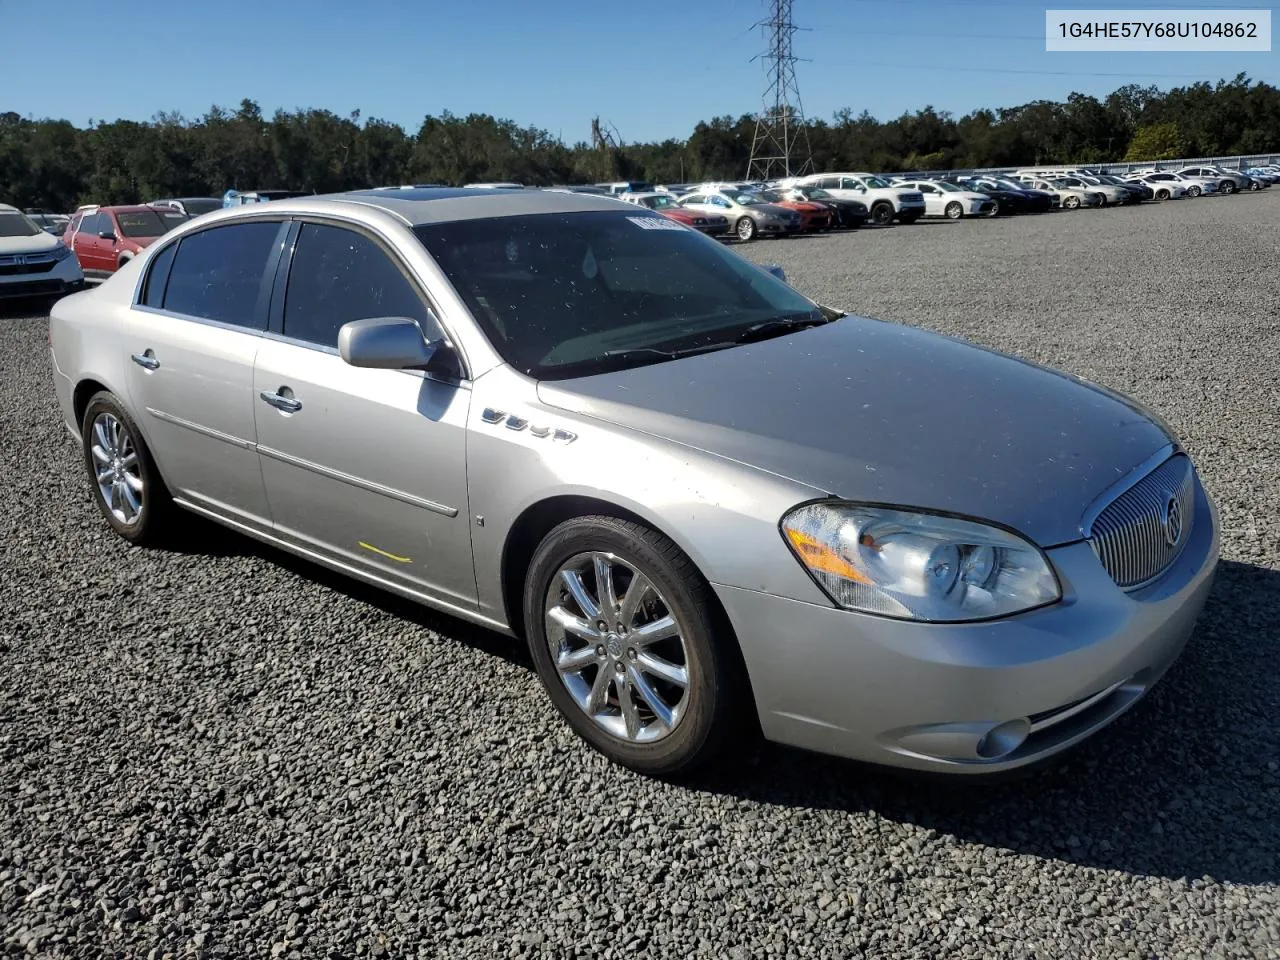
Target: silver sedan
[708,504]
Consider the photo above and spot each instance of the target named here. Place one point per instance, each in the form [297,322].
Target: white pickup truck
[886,201]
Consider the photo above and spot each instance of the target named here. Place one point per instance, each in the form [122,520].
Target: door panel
[192,385]
[370,468]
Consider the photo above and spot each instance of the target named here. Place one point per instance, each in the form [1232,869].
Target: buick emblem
[1172,522]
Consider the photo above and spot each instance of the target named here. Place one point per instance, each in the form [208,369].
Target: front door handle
[146,360]
[281,402]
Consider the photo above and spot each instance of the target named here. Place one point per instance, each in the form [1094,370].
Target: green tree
[1159,141]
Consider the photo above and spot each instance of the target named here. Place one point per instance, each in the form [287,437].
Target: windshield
[148,223]
[660,203]
[1010,184]
[198,206]
[876,183]
[814,193]
[745,199]
[568,295]
[947,187]
[17,225]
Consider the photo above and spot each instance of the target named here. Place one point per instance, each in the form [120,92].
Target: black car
[848,213]
[1039,200]
[1007,200]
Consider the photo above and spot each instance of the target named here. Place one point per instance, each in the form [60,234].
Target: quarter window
[339,275]
[217,274]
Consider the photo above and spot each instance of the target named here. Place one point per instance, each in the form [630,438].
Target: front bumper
[955,697]
[64,276]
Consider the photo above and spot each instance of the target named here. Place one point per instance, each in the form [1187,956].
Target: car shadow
[22,308]
[1185,785]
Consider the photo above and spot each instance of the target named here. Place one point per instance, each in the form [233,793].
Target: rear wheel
[127,486]
[954,210]
[1228,186]
[745,229]
[882,213]
[1162,194]
[1194,191]
[621,629]
[1071,202]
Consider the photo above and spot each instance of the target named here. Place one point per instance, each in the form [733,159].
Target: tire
[745,229]
[1228,186]
[1254,185]
[954,210]
[123,455]
[1162,194]
[1071,202]
[1194,191]
[882,214]
[120,264]
[703,712]
[995,208]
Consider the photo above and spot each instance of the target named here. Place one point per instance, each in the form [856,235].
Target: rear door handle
[287,404]
[146,360]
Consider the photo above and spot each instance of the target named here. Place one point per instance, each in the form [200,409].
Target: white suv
[886,201]
[33,262]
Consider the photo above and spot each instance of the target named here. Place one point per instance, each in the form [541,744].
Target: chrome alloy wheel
[116,468]
[617,647]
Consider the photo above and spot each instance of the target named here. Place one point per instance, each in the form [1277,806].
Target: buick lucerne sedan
[710,506]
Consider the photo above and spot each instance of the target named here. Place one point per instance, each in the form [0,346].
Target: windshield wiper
[780,325]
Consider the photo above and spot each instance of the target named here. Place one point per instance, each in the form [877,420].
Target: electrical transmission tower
[780,146]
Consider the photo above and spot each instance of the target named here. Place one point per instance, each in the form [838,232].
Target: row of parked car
[746,210]
[48,254]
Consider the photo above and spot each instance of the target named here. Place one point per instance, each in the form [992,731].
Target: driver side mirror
[395,343]
[107,235]
[775,269]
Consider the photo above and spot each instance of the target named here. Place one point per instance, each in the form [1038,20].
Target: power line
[1036,73]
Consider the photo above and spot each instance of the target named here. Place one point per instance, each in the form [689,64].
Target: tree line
[56,165]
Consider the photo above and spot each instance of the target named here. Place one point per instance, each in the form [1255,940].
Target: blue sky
[652,69]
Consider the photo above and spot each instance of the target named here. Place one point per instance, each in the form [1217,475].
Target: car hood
[884,413]
[42,242]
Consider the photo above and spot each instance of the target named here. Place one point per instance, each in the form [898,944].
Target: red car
[712,225]
[105,238]
[813,216]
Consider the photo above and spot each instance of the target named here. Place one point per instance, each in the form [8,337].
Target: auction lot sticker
[1217,31]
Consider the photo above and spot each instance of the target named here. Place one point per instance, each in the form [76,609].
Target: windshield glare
[813,193]
[947,187]
[567,295]
[876,183]
[660,203]
[17,225]
[746,199]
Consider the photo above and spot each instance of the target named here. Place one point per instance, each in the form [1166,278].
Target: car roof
[5,208]
[126,208]
[444,204]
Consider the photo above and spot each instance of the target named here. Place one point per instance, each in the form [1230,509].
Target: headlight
[60,252]
[918,566]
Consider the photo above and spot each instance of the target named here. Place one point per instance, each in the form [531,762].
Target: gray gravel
[225,752]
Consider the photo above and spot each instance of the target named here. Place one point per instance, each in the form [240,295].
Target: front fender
[723,514]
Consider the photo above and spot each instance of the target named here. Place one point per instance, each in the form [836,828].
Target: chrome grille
[1140,533]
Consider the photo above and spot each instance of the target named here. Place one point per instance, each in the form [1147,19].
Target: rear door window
[219,274]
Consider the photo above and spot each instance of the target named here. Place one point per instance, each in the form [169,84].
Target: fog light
[1002,740]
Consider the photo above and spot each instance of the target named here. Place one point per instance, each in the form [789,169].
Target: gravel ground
[225,752]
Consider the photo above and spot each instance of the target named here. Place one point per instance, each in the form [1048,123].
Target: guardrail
[1118,169]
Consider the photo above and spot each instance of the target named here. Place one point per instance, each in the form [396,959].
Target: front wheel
[746,229]
[954,210]
[1255,185]
[882,214]
[1194,191]
[1071,203]
[128,488]
[621,630]
[1228,186]
[1162,195]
